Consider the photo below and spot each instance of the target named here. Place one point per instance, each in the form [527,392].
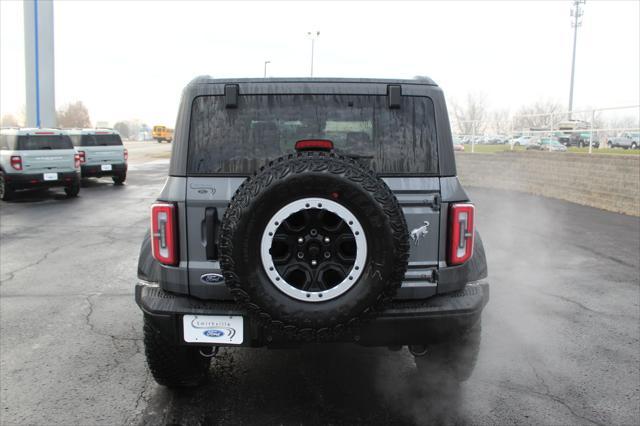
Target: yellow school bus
[162,133]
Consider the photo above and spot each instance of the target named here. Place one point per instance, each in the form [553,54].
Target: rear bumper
[401,323]
[36,180]
[95,170]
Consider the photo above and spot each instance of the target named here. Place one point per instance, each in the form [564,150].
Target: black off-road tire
[119,179]
[172,365]
[452,361]
[6,192]
[298,176]
[72,190]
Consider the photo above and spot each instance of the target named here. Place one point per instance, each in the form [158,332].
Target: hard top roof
[206,79]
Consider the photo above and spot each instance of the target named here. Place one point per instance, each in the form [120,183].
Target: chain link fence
[597,128]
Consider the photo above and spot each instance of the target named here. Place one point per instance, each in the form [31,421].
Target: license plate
[50,176]
[213,329]
[106,167]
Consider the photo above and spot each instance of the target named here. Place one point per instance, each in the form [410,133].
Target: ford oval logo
[211,278]
[213,333]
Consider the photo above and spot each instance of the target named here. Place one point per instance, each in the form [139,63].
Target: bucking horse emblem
[420,232]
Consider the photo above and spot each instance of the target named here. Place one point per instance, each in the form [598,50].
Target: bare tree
[471,117]
[123,128]
[500,121]
[539,115]
[74,115]
[8,120]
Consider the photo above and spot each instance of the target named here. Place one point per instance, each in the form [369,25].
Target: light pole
[313,35]
[577,13]
[265,68]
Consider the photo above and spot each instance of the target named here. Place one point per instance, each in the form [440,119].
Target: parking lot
[560,340]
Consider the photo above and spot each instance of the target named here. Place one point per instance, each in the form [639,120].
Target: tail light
[76,160]
[164,241]
[461,233]
[16,162]
[126,154]
[82,157]
[314,144]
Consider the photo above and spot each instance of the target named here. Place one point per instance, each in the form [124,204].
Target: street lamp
[265,68]
[313,35]
[576,13]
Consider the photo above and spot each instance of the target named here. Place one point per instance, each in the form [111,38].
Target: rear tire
[633,145]
[172,365]
[6,192]
[73,190]
[119,179]
[453,360]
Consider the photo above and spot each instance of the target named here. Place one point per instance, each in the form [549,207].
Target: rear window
[97,140]
[264,127]
[35,142]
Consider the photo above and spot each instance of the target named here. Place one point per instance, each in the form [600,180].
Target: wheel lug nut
[327,240]
[327,255]
[300,240]
[314,263]
[300,255]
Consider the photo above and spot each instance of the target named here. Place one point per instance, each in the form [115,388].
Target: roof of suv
[102,131]
[24,131]
[206,79]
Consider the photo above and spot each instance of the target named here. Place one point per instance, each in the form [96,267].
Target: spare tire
[313,242]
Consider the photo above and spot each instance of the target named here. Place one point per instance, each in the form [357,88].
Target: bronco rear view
[311,210]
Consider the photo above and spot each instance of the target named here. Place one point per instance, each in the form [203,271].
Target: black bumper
[95,170]
[401,323]
[36,180]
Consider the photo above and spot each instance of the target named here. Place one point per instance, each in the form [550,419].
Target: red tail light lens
[126,154]
[82,156]
[76,159]
[314,144]
[164,242]
[16,162]
[461,233]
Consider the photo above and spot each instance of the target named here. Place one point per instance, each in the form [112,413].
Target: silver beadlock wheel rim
[321,204]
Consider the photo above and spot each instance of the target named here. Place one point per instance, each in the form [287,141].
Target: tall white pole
[39,63]
[313,35]
[577,14]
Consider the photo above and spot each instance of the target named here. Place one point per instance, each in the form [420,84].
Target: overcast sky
[130,60]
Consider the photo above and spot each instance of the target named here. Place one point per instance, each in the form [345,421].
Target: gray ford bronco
[311,210]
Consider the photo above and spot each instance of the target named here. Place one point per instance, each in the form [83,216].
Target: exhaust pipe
[418,350]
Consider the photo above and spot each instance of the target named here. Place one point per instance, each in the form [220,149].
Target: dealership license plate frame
[213,329]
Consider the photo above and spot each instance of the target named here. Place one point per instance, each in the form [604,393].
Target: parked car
[101,153]
[522,141]
[457,144]
[162,134]
[546,144]
[578,139]
[315,246]
[625,140]
[37,158]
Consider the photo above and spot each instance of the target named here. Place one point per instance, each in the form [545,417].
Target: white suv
[37,158]
[101,153]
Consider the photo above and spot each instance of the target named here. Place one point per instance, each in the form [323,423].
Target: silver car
[37,158]
[101,153]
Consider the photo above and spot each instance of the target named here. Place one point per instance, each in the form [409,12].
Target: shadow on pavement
[341,384]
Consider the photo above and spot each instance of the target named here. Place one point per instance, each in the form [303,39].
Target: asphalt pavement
[560,340]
